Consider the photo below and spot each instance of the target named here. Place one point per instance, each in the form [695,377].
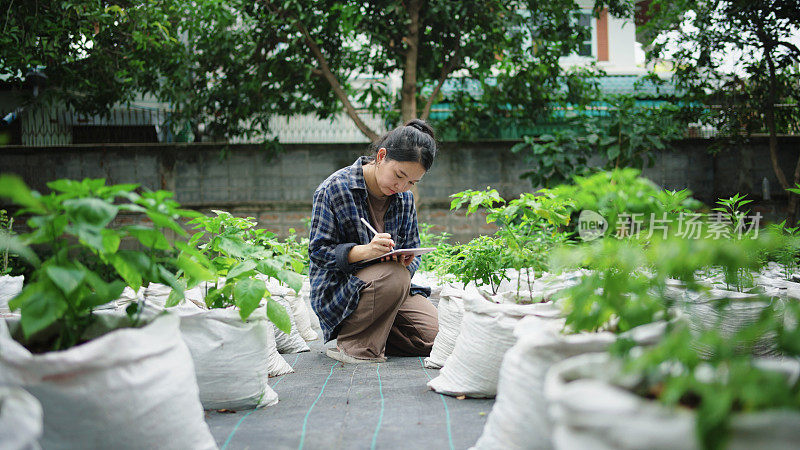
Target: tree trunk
[408,94]
[769,111]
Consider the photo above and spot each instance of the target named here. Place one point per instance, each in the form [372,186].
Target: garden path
[327,405]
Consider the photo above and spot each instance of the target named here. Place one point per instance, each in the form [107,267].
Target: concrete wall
[277,191]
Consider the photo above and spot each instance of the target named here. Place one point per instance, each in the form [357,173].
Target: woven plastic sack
[519,415]
[10,287]
[451,312]
[20,419]
[487,331]
[742,310]
[231,357]
[194,305]
[297,308]
[130,388]
[292,342]
[592,407]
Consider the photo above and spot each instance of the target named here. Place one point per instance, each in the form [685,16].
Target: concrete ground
[327,405]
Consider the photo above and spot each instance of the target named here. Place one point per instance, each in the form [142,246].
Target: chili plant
[627,284]
[56,304]
[6,227]
[730,214]
[622,197]
[528,226]
[786,257]
[724,379]
[430,239]
[230,243]
[481,259]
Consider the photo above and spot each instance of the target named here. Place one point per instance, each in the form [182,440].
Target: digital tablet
[403,251]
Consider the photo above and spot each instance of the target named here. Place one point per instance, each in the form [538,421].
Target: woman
[373,309]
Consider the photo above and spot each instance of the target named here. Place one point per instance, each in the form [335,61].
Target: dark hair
[413,141]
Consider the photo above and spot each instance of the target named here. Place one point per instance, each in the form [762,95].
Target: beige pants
[387,319]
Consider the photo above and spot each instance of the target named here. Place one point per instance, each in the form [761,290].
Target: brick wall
[277,191]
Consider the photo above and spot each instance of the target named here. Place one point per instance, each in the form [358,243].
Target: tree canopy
[227,66]
[740,56]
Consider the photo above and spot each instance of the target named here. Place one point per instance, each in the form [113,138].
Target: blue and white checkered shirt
[339,203]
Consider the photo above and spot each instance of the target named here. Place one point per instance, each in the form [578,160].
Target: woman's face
[396,176]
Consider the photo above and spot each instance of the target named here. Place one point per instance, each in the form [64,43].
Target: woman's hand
[382,243]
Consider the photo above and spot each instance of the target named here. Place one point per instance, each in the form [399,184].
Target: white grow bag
[487,331]
[131,388]
[518,419]
[232,358]
[155,297]
[591,411]
[451,312]
[20,420]
[10,287]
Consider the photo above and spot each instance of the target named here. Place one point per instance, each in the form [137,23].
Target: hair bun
[422,126]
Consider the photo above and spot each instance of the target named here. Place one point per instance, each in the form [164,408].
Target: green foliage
[725,379]
[788,257]
[238,252]
[95,54]
[75,218]
[528,229]
[6,229]
[621,194]
[556,157]
[627,285]
[480,260]
[430,239]
[627,136]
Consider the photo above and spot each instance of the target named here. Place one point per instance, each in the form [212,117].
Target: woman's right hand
[380,244]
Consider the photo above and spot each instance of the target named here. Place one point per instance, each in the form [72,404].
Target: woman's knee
[390,279]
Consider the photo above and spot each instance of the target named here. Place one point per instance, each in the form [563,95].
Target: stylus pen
[374,231]
[369,227]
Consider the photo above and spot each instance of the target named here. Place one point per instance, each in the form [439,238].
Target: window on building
[585,47]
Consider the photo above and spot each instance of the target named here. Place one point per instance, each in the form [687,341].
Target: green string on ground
[446,410]
[380,418]
[305,420]
[230,436]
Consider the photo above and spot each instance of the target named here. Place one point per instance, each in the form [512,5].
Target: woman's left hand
[405,260]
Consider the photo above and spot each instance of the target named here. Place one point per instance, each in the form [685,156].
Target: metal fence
[48,126]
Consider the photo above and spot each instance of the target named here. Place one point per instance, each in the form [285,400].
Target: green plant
[6,227]
[528,227]
[293,248]
[628,202]
[56,304]
[480,260]
[731,216]
[627,283]
[430,239]
[236,251]
[557,157]
[627,135]
[725,379]
[787,257]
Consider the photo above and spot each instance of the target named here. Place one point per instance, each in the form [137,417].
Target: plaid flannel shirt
[339,203]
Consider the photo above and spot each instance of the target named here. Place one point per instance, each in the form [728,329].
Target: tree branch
[793,48]
[447,68]
[326,72]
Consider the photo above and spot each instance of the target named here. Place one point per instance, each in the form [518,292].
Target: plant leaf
[277,314]
[247,295]
[293,279]
[66,279]
[40,307]
[240,268]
